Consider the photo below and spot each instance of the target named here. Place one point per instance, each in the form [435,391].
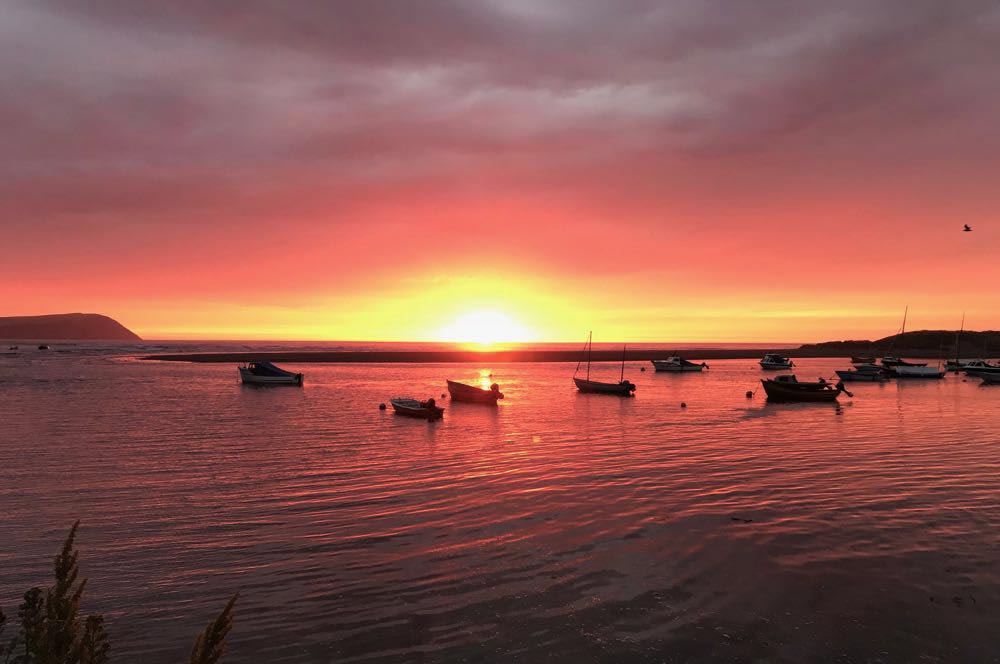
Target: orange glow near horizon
[469,310]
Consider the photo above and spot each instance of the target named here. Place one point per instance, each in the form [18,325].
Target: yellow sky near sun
[483,309]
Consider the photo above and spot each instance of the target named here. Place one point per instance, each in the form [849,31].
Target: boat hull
[662,366]
[798,392]
[982,370]
[775,366]
[624,388]
[250,378]
[862,376]
[987,378]
[893,362]
[906,371]
[416,410]
[469,394]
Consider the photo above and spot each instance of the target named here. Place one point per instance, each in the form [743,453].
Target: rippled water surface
[556,526]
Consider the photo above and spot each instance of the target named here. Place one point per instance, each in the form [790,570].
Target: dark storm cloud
[114,107]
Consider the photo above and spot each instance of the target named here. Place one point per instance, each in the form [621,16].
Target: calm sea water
[558,526]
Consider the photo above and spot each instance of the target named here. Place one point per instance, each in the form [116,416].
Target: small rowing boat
[677,364]
[425,410]
[789,388]
[265,373]
[775,362]
[471,394]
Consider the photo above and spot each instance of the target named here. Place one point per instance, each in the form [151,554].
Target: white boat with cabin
[677,364]
[775,362]
[265,373]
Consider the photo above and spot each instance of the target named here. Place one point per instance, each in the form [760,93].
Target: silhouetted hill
[971,344]
[84,327]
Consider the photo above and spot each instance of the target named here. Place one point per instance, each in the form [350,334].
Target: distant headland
[922,343]
[78,327]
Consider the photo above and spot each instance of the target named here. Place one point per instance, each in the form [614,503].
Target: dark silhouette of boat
[425,410]
[919,371]
[677,364]
[978,366]
[621,388]
[775,361]
[890,362]
[265,373]
[863,360]
[471,394]
[858,375]
[788,388]
[987,378]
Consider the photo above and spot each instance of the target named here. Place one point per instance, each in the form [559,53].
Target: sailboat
[890,362]
[622,387]
[957,364]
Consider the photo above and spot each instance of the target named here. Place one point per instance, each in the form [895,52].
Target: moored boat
[775,362]
[981,366]
[621,388]
[471,394]
[425,410]
[265,373]
[892,362]
[890,365]
[918,371]
[677,364]
[857,375]
[788,388]
[987,378]
[862,360]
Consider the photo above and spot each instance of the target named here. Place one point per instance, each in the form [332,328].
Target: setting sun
[485,327]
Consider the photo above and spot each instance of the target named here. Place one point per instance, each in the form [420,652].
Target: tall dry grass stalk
[53,632]
[211,643]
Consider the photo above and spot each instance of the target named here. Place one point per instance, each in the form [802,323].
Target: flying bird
[967,228]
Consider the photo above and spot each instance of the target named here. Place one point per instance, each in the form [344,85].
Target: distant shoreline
[503,356]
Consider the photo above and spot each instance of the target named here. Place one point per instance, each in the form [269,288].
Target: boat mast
[958,338]
[622,376]
[590,350]
[899,338]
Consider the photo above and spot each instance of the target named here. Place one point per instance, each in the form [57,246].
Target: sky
[424,170]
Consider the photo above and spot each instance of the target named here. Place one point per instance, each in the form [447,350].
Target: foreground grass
[52,630]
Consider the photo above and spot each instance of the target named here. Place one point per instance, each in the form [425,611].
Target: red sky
[787,171]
